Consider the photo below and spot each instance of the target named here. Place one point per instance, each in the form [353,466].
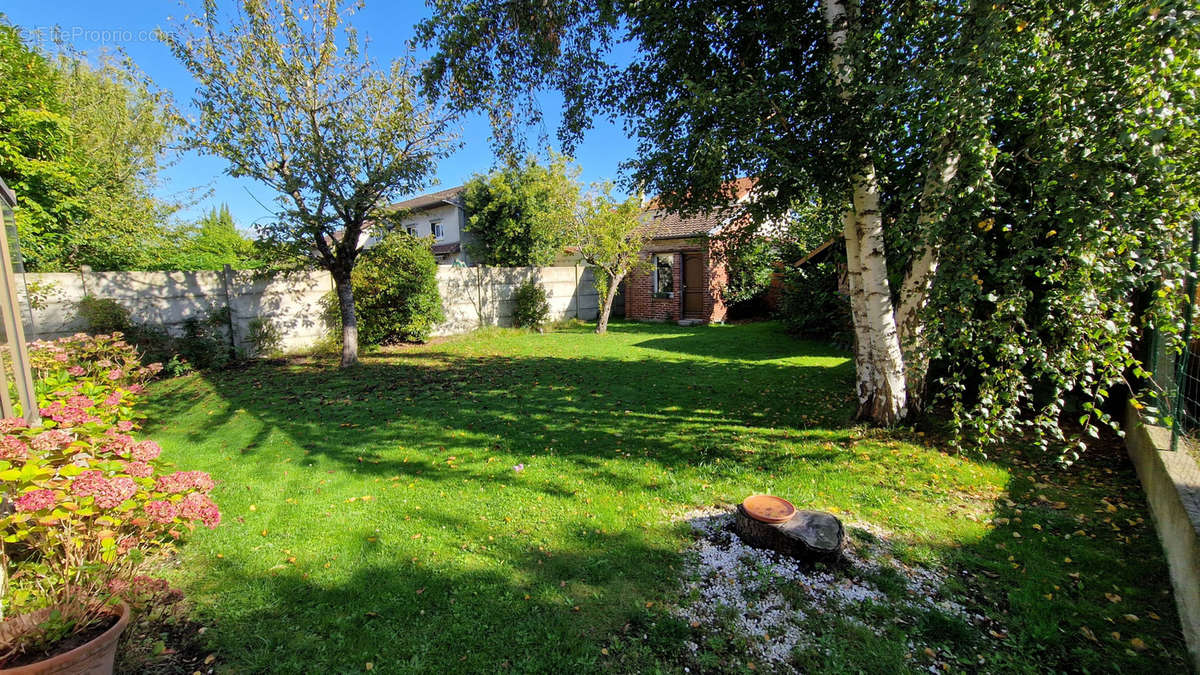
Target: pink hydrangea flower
[115,374]
[136,388]
[62,357]
[88,483]
[139,469]
[113,399]
[154,368]
[52,439]
[116,491]
[80,401]
[76,371]
[13,448]
[145,451]
[36,500]
[11,424]
[161,511]
[196,506]
[125,425]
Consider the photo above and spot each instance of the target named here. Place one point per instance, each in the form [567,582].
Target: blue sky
[94,26]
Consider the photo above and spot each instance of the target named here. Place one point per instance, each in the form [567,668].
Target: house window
[438,231]
[412,229]
[663,283]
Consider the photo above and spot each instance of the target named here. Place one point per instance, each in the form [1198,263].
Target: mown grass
[374,514]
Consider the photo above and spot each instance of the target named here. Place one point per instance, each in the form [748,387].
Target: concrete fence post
[227,278]
[577,296]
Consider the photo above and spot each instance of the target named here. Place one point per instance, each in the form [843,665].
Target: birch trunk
[879,361]
[914,292]
[887,403]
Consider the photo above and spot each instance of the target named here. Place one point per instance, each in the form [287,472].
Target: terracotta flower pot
[93,658]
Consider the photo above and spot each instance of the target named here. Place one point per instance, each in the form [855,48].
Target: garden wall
[1171,480]
[167,299]
[482,296]
[472,297]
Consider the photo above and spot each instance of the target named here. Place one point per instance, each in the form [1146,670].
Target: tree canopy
[519,216]
[82,145]
[997,166]
[289,97]
[210,243]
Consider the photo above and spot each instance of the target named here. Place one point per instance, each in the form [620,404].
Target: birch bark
[879,361]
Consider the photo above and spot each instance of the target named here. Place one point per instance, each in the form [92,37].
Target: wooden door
[693,286]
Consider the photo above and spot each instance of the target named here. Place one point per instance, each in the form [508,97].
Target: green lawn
[374,515]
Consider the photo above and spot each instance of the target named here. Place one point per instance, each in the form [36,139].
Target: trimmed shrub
[395,292]
[530,306]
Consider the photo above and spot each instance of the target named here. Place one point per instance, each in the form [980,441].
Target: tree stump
[812,536]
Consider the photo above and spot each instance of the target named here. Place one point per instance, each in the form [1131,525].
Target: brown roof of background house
[446,249]
[432,199]
[669,225]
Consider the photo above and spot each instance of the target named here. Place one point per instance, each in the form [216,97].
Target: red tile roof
[664,224]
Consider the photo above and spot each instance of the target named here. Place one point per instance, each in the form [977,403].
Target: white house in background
[443,216]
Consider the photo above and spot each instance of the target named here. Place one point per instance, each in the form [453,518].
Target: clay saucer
[769,509]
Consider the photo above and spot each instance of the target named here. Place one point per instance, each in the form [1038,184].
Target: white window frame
[437,229]
[411,228]
[655,286]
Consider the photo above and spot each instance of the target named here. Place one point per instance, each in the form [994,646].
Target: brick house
[686,273]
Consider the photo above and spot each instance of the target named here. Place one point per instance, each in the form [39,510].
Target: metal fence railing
[1175,366]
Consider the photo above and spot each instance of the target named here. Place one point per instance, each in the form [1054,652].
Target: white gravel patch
[730,586]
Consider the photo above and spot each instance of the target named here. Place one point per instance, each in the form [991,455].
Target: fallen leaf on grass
[1113,597]
[1138,644]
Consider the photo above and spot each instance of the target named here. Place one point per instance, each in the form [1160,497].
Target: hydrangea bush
[88,378]
[84,501]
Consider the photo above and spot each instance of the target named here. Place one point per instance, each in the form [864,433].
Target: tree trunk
[345,294]
[914,292]
[879,362]
[887,403]
[813,536]
[606,308]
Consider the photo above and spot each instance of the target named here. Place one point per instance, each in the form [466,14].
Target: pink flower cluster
[196,506]
[109,492]
[11,424]
[145,451]
[52,440]
[36,500]
[13,448]
[161,511]
[139,469]
[69,415]
[182,481]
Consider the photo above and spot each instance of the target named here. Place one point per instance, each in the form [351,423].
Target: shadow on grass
[676,413]
[421,615]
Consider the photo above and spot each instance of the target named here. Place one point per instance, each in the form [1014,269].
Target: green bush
[203,345]
[530,306]
[395,292]
[265,337]
[811,304]
[104,315]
